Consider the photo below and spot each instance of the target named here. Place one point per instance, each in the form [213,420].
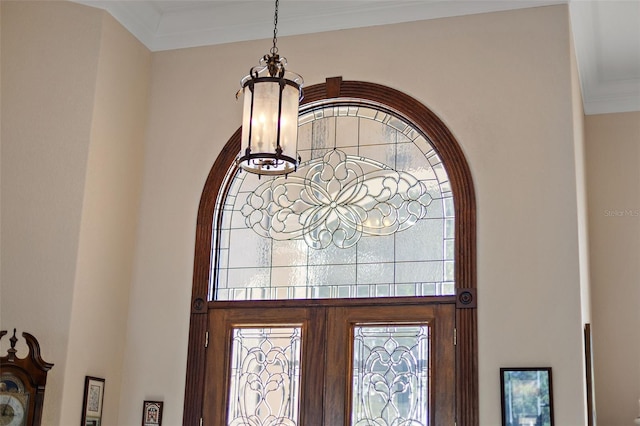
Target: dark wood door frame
[450,152]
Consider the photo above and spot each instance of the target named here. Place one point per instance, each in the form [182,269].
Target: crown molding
[177,24]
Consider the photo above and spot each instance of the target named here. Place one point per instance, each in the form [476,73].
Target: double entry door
[341,362]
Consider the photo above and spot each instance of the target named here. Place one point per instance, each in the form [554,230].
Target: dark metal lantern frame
[267,163]
[276,162]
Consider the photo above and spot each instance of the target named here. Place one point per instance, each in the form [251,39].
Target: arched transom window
[369,213]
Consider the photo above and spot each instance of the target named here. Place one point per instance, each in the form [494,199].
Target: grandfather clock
[22,383]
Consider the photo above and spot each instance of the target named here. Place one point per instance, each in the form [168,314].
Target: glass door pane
[265,376]
[391,375]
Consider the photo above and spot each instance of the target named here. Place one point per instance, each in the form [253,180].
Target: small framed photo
[152,413]
[92,403]
[527,396]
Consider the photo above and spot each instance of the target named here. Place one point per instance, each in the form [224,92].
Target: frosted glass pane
[331,274]
[448,207]
[449,249]
[441,174]
[450,229]
[369,113]
[289,253]
[423,145]
[347,132]
[383,290]
[223,258]
[372,273]
[448,288]
[397,124]
[384,154]
[332,255]
[316,153]
[376,249]
[391,375]
[249,250]
[289,276]
[422,242]
[237,220]
[448,271]
[264,386]
[248,277]
[324,132]
[429,289]
[417,272]
[304,137]
[409,159]
[405,290]
[375,133]
[363,291]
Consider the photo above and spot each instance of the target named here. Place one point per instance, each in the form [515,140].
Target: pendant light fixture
[270,115]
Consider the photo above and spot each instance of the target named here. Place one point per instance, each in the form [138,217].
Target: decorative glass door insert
[391,370]
[265,376]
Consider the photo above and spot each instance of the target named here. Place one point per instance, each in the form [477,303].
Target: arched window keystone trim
[465,241]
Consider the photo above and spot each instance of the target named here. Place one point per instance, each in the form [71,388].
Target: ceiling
[606,32]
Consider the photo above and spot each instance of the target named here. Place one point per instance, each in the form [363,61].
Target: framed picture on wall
[527,396]
[152,413]
[92,403]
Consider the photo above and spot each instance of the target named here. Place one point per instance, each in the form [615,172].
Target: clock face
[13,401]
[12,409]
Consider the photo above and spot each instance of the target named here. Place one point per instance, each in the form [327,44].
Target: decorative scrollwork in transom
[335,200]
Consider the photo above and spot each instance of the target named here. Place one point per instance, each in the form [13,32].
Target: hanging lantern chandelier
[270,115]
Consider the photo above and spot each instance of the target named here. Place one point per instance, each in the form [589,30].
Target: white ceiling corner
[606,32]
[607,41]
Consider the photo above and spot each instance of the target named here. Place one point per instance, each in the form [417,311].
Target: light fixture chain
[274,49]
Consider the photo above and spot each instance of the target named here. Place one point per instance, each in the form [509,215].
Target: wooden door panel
[222,322]
[326,356]
[441,320]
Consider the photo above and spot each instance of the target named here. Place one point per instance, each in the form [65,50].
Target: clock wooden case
[22,384]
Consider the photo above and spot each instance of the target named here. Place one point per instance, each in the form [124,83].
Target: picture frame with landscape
[526,396]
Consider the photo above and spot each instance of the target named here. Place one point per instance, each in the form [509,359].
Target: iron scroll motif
[337,199]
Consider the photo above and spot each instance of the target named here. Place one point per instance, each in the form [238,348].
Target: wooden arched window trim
[465,242]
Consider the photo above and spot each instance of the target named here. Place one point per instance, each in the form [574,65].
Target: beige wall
[109,220]
[49,64]
[75,93]
[502,82]
[581,199]
[613,171]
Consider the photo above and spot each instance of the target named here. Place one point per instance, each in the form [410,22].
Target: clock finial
[12,351]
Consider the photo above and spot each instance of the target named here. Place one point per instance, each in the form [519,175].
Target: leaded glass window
[369,213]
[265,376]
[391,375]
